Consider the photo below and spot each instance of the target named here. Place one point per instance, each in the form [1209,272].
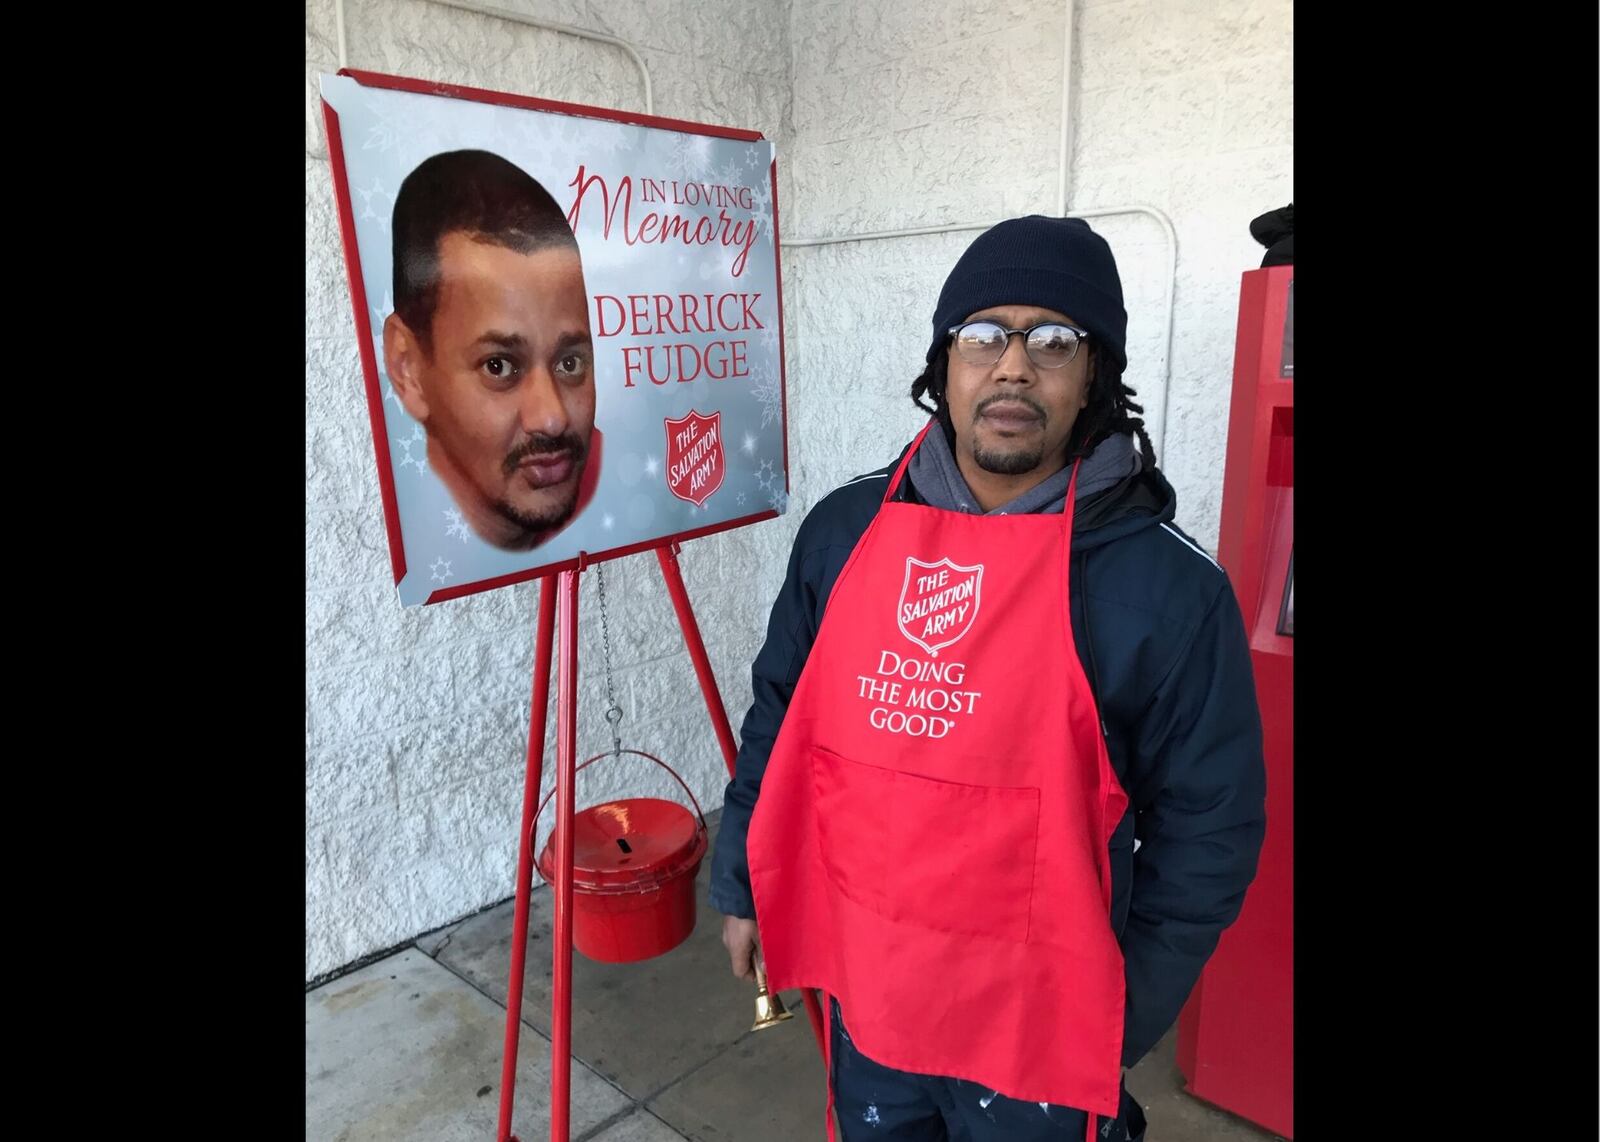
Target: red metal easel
[559,592]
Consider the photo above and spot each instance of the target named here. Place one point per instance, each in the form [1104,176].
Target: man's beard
[1015,462]
[556,515]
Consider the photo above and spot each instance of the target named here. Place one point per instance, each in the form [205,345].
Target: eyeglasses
[1049,344]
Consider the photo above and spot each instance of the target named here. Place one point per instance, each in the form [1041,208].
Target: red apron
[930,842]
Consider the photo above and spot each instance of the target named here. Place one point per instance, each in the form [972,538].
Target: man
[489,347]
[994,666]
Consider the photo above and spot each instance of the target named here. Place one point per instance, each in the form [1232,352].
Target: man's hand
[739,936]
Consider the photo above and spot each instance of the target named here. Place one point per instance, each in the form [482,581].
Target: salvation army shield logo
[938,602]
[695,460]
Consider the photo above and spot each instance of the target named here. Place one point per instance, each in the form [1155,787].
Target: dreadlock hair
[1110,409]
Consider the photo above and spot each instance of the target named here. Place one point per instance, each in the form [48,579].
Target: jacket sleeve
[1201,804]
[791,630]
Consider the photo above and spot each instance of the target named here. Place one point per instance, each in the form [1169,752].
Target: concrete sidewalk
[408,1049]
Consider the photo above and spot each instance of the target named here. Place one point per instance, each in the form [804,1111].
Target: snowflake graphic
[741,499]
[384,135]
[771,482]
[417,128]
[528,138]
[689,155]
[769,339]
[608,522]
[378,317]
[441,569]
[379,213]
[652,466]
[393,393]
[761,192]
[768,393]
[761,206]
[377,353]
[728,175]
[749,444]
[455,525]
[407,447]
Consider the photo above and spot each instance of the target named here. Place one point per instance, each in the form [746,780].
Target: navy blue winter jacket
[1161,639]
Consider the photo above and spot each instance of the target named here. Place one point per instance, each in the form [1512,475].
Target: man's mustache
[545,446]
[1019,398]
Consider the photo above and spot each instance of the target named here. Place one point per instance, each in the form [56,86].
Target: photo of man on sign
[536,288]
[489,345]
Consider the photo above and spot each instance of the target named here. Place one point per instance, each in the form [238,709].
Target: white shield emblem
[938,602]
[695,459]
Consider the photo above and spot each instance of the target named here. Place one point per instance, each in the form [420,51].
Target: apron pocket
[928,853]
[851,826]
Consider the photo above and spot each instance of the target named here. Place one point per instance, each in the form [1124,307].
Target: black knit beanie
[1056,263]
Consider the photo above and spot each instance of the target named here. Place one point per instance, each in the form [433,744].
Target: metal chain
[613,710]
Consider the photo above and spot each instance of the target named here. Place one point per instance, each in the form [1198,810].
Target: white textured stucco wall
[953,115]
[883,118]
[416,721]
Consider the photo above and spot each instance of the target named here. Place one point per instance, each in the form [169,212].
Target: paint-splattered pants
[873,1103]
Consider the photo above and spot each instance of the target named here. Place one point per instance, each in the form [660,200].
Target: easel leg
[566,757]
[530,799]
[668,557]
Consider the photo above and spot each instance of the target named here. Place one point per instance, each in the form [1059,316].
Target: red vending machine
[1236,1034]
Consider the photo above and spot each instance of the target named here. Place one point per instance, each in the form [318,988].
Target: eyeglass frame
[1081,334]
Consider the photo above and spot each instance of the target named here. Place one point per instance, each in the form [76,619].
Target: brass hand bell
[769,1007]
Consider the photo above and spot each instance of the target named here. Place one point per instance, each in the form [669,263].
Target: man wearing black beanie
[1001,788]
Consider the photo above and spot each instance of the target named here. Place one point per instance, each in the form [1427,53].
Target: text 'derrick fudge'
[669,329]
